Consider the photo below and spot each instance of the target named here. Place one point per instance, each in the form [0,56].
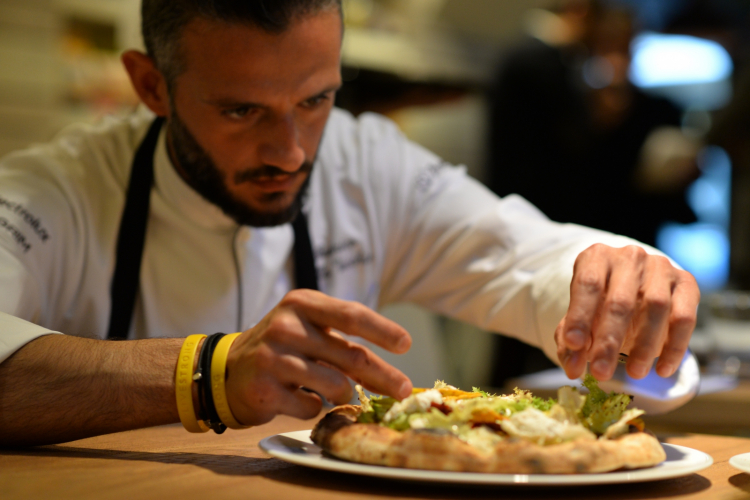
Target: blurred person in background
[570,133]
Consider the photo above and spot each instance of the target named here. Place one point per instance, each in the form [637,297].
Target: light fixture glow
[663,60]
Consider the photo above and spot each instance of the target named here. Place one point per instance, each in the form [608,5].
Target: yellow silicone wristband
[183,385]
[218,382]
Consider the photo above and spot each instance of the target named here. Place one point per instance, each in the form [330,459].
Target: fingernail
[569,357]
[667,370]
[405,390]
[404,344]
[565,358]
[575,338]
[571,360]
[600,367]
[574,357]
[638,370]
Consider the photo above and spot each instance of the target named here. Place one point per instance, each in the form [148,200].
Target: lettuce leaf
[601,409]
[379,407]
[607,413]
[595,397]
[483,393]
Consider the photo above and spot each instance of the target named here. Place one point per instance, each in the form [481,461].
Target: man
[247,90]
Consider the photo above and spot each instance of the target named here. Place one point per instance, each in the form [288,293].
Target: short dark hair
[163,21]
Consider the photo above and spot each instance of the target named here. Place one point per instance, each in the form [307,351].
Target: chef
[238,199]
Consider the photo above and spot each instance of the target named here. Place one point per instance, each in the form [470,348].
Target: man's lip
[275,183]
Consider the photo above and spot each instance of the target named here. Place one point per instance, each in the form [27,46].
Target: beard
[205,177]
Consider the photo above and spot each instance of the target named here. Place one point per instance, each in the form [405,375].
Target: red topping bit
[492,425]
[444,408]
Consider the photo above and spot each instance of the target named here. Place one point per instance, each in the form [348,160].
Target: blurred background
[632,116]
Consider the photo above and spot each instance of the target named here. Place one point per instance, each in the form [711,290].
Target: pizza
[445,428]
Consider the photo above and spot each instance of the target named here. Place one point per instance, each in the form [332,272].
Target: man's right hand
[295,346]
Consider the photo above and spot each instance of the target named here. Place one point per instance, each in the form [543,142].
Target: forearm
[59,388]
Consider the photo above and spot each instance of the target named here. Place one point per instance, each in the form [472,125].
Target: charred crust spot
[536,465]
[338,418]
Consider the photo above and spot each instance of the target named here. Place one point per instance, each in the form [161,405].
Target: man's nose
[280,146]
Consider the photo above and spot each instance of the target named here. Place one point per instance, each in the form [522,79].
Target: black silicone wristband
[208,408]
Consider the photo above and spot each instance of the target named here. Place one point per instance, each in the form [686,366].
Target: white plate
[741,462]
[296,448]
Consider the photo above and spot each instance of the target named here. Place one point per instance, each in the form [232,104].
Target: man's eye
[237,112]
[315,101]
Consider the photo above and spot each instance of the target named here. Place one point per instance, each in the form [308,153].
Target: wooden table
[169,463]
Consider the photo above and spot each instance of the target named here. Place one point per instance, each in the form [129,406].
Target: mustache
[252,174]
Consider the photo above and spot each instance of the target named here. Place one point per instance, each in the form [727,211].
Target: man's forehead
[230,57]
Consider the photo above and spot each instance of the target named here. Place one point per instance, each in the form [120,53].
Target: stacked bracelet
[203,378]
[184,385]
[213,410]
[218,382]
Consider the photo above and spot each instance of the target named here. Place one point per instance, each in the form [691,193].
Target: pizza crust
[339,434]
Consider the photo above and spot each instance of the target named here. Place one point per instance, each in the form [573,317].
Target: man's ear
[147,81]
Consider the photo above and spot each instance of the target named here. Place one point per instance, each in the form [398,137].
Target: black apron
[132,236]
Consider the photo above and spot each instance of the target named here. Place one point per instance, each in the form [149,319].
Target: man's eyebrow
[331,88]
[228,102]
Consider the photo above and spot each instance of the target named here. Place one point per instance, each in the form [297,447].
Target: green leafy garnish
[607,413]
[483,393]
[601,409]
[400,423]
[542,404]
[595,397]
[380,406]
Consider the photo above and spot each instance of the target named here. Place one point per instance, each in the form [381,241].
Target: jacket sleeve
[16,333]
[39,258]
[457,249]
[26,256]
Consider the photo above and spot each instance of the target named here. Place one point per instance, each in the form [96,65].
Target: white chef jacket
[389,222]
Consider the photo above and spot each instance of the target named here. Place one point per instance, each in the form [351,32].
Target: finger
[617,311]
[652,320]
[685,298]
[351,318]
[333,385]
[301,404]
[587,288]
[573,362]
[287,332]
[359,363]
[258,402]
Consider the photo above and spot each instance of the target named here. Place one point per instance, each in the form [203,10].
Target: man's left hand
[625,300]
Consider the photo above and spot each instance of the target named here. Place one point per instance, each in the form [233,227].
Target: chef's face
[248,110]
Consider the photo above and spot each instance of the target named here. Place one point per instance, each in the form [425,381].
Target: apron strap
[132,235]
[131,238]
[305,274]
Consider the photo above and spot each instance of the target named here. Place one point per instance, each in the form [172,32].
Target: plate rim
[702,461]
[733,462]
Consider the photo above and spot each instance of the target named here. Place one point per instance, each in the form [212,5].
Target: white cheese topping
[621,427]
[418,402]
[482,438]
[536,426]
